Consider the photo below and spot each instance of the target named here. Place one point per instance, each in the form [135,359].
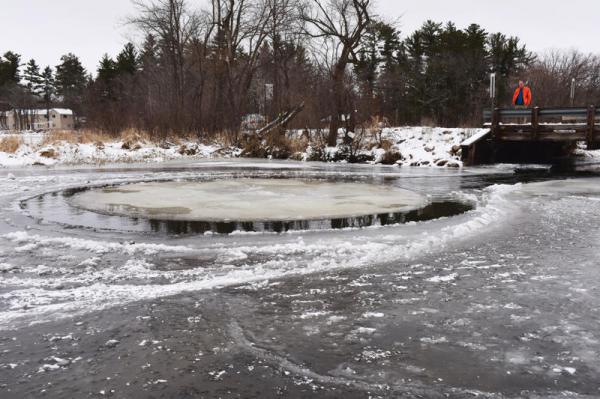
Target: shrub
[10,144]
[274,145]
[49,153]
[253,147]
[391,156]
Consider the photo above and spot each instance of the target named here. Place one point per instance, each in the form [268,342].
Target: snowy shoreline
[409,146]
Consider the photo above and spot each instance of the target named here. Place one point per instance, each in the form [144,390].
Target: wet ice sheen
[249,200]
[507,291]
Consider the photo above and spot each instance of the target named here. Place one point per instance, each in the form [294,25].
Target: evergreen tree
[32,77]
[107,70]
[369,57]
[127,60]
[71,79]
[46,86]
[9,68]
[149,54]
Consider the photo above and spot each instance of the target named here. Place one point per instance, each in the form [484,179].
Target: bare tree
[284,34]
[199,66]
[240,32]
[175,27]
[340,24]
[552,75]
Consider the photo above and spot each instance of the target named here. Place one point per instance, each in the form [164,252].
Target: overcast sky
[46,29]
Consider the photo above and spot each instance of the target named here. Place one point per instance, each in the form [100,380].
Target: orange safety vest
[526,96]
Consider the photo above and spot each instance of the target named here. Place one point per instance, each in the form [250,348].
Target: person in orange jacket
[522,96]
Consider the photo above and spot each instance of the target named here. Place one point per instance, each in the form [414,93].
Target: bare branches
[340,25]
[205,69]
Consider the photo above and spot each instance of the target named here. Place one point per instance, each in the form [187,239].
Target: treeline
[29,86]
[201,71]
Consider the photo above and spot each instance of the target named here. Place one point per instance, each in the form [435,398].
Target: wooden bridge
[550,129]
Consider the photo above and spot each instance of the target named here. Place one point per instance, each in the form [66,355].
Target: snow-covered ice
[249,200]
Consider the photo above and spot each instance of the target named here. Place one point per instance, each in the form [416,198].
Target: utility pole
[493,90]
[494,114]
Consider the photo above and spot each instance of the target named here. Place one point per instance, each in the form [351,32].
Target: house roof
[63,111]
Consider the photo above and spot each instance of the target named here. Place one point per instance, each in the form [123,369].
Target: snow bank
[33,152]
[425,146]
[404,146]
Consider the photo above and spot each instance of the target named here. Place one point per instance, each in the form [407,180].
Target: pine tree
[32,77]
[9,68]
[46,86]
[107,72]
[107,69]
[127,60]
[71,79]
[149,53]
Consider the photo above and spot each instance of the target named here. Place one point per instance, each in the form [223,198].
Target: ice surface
[507,291]
[249,200]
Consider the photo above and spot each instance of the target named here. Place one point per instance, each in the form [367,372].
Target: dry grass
[227,139]
[386,144]
[56,136]
[92,136]
[131,136]
[374,131]
[75,137]
[135,136]
[10,144]
[273,145]
[298,144]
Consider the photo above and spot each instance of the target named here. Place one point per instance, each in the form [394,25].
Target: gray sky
[46,29]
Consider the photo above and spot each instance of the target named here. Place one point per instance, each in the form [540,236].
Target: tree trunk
[338,100]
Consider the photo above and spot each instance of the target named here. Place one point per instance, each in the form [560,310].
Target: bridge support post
[495,121]
[535,122]
[591,122]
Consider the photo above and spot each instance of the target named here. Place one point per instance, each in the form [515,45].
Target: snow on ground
[410,146]
[33,152]
[413,146]
[425,146]
[583,152]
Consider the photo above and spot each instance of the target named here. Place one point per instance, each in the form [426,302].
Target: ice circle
[248,200]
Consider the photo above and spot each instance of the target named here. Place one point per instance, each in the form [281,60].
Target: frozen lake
[498,301]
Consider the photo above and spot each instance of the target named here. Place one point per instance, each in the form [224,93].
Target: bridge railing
[544,124]
[505,113]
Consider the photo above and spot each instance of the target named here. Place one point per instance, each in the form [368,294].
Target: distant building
[37,119]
